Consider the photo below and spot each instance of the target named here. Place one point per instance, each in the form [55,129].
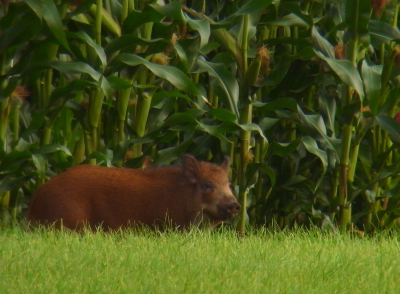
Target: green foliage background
[302,95]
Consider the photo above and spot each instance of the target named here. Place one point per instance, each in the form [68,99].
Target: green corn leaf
[322,44]
[222,114]
[159,96]
[232,127]
[172,10]
[297,10]
[280,103]
[252,6]
[281,70]
[38,119]
[249,80]
[128,40]
[223,82]
[371,75]
[229,43]
[118,83]
[315,126]
[168,155]
[106,87]
[169,73]
[390,125]
[9,89]
[73,87]
[327,106]
[135,19]
[382,32]
[186,119]
[101,159]
[203,27]
[12,182]
[391,102]
[283,149]
[51,148]
[346,72]
[182,57]
[253,168]
[294,180]
[357,16]
[22,31]
[40,165]
[266,123]
[74,68]
[107,20]
[312,147]
[36,6]
[99,50]
[179,118]
[13,161]
[53,21]
[288,20]
[212,130]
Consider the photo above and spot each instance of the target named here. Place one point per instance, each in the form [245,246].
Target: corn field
[301,95]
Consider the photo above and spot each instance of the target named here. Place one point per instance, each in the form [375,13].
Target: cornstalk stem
[396,15]
[15,120]
[4,202]
[98,18]
[121,130]
[245,118]
[295,35]
[46,135]
[88,143]
[94,135]
[107,6]
[4,112]
[334,191]
[95,105]
[79,151]
[259,181]
[131,4]
[89,147]
[142,110]
[244,42]
[47,83]
[3,109]
[244,145]
[386,73]
[344,162]
[345,213]
[142,114]
[125,10]
[353,162]
[122,105]
[147,30]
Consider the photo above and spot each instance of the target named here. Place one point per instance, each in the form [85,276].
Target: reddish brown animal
[116,198]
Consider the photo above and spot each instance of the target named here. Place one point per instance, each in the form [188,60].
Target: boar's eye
[208,186]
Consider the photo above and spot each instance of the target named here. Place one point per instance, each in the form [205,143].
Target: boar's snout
[233,208]
[229,210]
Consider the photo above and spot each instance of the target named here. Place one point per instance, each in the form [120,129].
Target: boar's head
[213,197]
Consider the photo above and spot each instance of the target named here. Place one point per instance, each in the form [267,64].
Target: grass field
[196,262]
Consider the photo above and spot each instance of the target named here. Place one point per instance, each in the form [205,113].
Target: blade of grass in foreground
[196,262]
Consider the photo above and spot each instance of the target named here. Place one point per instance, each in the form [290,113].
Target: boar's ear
[190,168]
[226,164]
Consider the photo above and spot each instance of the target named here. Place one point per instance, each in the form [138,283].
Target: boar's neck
[172,189]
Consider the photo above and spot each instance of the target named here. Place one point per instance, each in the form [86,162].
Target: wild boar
[112,198]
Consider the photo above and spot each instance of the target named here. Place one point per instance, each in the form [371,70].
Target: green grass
[195,262]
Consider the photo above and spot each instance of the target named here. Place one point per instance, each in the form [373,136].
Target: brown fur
[116,198]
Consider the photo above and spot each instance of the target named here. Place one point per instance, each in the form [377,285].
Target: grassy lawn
[196,262]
